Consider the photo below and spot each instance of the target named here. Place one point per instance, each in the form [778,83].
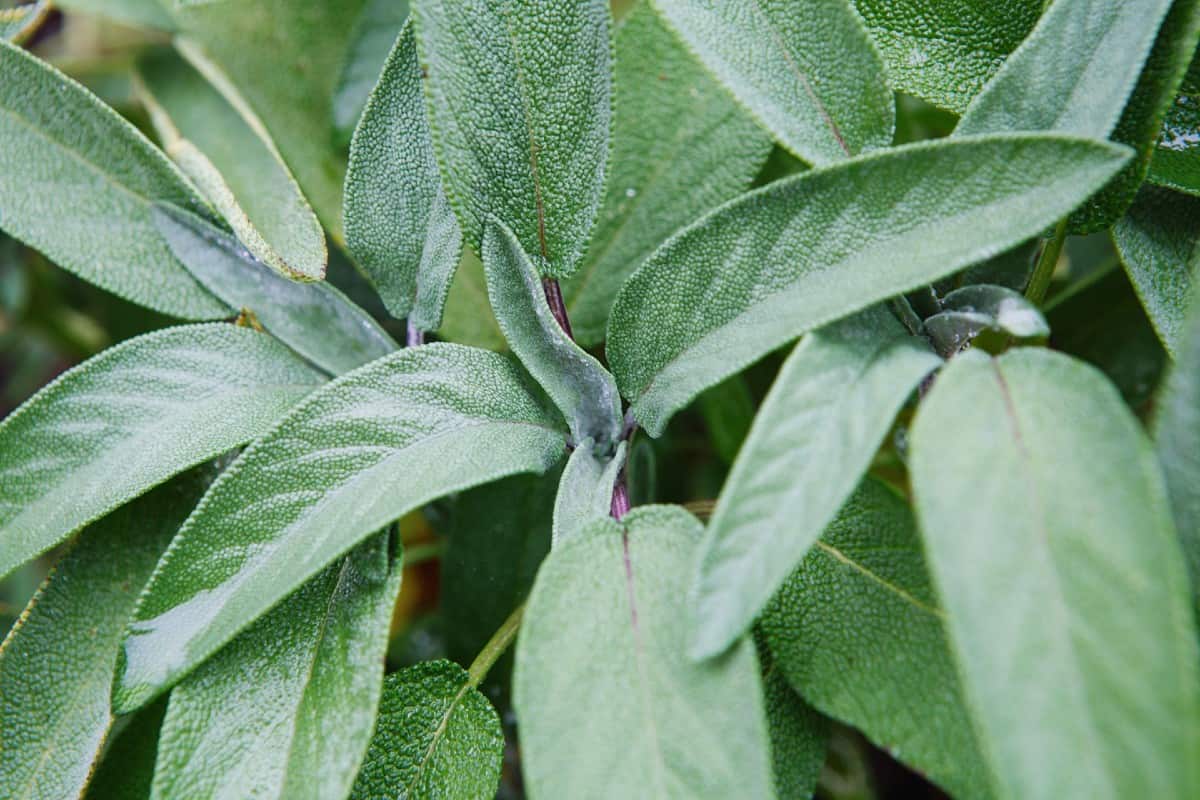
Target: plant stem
[619,506]
[1047,261]
[557,306]
[495,647]
[415,336]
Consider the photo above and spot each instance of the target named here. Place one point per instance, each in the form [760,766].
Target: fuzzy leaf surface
[585,489]
[799,736]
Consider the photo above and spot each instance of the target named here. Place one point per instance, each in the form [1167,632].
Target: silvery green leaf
[586,488]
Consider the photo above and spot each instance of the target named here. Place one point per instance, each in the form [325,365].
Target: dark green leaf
[132,417]
[127,769]
[830,407]
[1050,539]
[371,446]
[1176,163]
[586,489]
[971,310]
[807,250]
[370,42]
[799,736]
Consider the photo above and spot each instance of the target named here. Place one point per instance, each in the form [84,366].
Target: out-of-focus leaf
[603,640]
[368,448]
[437,736]
[130,418]
[520,105]
[830,407]
[78,183]
[286,709]
[585,490]
[371,40]
[19,22]
[1176,163]
[1049,535]
[680,146]
[468,317]
[240,172]
[728,410]
[807,250]
[147,13]
[127,769]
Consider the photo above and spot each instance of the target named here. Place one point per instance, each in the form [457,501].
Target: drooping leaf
[286,709]
[437,736]
[240,172]
[817,431]
[371,446]
[371,40]
[77,182]
[945,52]
[585,490]
[146,13]
[520,105]
[583,390]
[680,146]
[399,224]
[314,319]
[799,735]
[56,666]
[1176,162]
[130,418]
[1159,243]
[971,310]
[603,640]
[807,250]
[19,22]
[808,72]
[1050,539]
[127,770]
[857,631]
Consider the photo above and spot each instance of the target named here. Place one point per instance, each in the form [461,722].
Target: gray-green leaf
[520,105]
[78,182]
[286,709]
[130,418]
[603,640]
[371,446]
[807,250]
[19,22]
[971,310]
[371,41]
[1050,539]
[807,71]
[437,736]
[585,489]
[399,225]
[832,404]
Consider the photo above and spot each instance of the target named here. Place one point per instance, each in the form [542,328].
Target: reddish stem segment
[557,307]
[415,336]
[619,506]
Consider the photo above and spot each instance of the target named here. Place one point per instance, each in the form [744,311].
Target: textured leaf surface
[603,640]
[804,251]
[132,417]
[1159,243]
[19,22]
[680,146]
[77,182]
[857,631]
[945,52]
[808,72]
[520,103]
[830,407]
[1049,536]
[360,453]
[314,319]
[1176,161]
[585,490]
[583,390]
[56,666]
[399,224]
[437,736]
[799,737]
[286,709]
[239,172]
[370,43]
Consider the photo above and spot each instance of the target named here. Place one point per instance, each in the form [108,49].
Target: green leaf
[1159,243]
[371,41]
[130,418]
[20,22]
[437,736]
[236,166]
[69,168]
[1176,162]
[399,225]
[147,13]
[283,60]
[286,709]
[1177,436]
[602,641]
[519,101]
[728,410]
[127,770]
[1050,539]
[583,390]
[799,736]
[971,310]
[817,431]
[468,317]
[857,631]
[56,665]
[314,319]
[368,448]
[680,146]
[808,72]
[586,488]
[945,52]
[807,250]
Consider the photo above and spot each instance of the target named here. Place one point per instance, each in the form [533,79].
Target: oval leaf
[1051,543]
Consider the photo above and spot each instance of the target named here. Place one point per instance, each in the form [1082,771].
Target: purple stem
[619,506]
[415,337]
[557,307]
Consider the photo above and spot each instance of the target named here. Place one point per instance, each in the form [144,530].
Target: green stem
[495,647]
[1047,261]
